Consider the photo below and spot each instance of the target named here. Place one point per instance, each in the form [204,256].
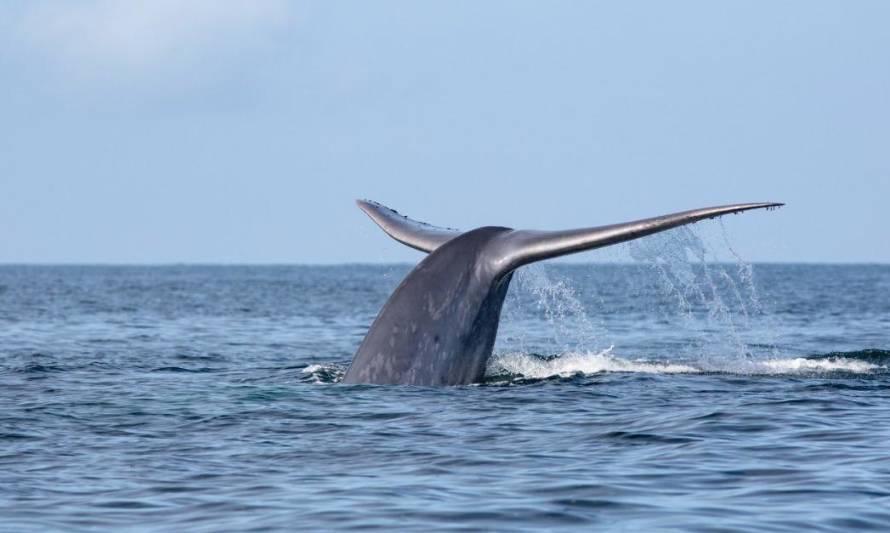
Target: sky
[242,131]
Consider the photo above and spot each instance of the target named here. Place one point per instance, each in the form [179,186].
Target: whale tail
[440,324]
[520,247]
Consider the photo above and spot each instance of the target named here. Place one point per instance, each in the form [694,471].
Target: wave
[323,373]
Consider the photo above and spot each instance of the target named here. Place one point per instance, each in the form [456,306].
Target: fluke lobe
[439,326]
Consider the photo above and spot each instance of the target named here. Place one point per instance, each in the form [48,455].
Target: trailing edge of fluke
[439,325]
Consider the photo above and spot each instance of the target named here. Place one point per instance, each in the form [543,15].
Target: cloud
[116,41]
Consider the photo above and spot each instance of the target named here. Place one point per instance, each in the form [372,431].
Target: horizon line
[394,263]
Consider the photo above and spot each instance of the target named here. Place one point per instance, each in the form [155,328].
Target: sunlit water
[673,394]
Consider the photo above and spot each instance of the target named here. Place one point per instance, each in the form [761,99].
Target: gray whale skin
[439,325]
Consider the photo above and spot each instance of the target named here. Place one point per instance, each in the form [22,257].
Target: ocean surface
[667,393]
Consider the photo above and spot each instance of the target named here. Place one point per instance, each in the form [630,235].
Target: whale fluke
[527,246]
[439,325]
[418,235]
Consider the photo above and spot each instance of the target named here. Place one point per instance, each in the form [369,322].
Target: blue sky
[242,131]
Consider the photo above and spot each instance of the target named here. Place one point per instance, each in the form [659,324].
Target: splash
[834,364]
[568,364]
[748,297]
[530,366]
[323,373]
[566,326]
[717,307]
[720,320]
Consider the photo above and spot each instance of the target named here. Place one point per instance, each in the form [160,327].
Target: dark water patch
[871,355]
[213,356]
[126,504]
[860,524]
[862,383]
[37,368]
[646,438]
[201,370]
[102,341]
[18,437]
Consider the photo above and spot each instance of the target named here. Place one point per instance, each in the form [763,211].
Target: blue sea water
[665,394]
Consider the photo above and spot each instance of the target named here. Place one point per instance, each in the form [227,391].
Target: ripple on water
[207,399]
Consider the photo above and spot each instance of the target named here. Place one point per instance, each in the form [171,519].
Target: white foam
[833,364]
[570,363]
[330,373]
